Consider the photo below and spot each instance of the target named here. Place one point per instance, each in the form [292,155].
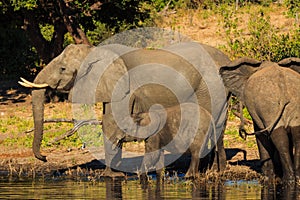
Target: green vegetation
[17,127]
[294,8]
[260,39]
[33,32]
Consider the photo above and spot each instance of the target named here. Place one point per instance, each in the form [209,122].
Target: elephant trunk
[38,98]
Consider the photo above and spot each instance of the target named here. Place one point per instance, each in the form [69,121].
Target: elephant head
[139,127]
[59,74]
[74,71]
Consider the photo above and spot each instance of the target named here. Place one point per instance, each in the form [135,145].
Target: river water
[121,189]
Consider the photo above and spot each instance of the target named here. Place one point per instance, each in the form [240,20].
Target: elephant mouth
[70,84]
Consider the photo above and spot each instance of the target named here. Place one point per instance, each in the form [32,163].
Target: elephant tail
[242,131]
[268,130]
[282,105]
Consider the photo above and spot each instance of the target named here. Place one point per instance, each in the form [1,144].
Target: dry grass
[206,26]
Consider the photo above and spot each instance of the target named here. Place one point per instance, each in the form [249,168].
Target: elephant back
[207,61]
[160,77]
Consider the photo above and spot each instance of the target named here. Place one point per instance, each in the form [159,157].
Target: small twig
[239,116]
[29,131]
[165,12]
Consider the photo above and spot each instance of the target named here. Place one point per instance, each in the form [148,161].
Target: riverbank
[67,158]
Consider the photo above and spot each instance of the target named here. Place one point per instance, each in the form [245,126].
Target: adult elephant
[271,93]
[115,75]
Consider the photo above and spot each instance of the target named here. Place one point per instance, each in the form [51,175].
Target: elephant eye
[62,69]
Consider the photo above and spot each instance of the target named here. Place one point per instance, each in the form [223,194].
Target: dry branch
[59,120]
[78,124]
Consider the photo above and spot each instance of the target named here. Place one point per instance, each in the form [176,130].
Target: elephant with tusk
[29,84]
[271,93]
[129,80]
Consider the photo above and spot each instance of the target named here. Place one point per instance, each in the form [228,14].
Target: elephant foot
[218,166]
[144,181]
[298,179]
[271,180]
[192,175]
[289,180]
[108,172]
[268,175]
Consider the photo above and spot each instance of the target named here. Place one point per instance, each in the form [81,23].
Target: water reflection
[113,188]
[122,189]
[209,192]
[286,192]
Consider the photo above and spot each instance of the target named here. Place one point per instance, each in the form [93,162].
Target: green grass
[17,122]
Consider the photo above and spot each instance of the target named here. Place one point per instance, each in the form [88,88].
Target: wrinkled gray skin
[176,124]
[271,93]
[61,72]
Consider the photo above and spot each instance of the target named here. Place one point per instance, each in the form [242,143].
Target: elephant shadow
[254,164]
[174,162]
[10,92]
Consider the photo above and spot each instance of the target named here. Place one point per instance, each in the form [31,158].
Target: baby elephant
[175,129]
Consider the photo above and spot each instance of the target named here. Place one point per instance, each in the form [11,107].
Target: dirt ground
[15,106]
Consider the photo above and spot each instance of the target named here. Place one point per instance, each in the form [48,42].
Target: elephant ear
[236,74]
[114,83]
[292,63]
[102,74]
[151,122]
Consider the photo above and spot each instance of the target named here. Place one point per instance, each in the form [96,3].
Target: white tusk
[26,83]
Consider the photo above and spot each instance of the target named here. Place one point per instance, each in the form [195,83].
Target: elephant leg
[282,143]
[219,163]
[193,170]
[150,161]
[159,167]
[153,158]
[266,151]
[113,154]
[112,158]
[296,139]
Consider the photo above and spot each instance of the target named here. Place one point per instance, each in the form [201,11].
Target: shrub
[261,40]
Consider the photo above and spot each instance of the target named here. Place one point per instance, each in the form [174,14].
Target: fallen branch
[75,128]
[78,124]
[54,121]
[59,120]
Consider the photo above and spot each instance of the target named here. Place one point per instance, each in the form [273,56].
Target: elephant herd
[175,99]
